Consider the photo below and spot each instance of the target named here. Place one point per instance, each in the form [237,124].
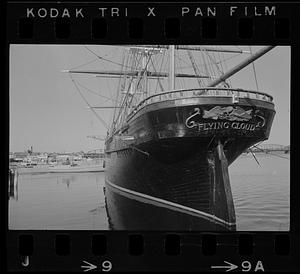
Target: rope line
[271,153]
[102,58]
[91,108]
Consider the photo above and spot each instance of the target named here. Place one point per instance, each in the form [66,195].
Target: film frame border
[149,247]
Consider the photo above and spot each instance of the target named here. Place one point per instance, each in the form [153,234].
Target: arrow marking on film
[88,267]
[229,266]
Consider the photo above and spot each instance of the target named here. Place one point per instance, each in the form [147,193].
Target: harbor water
[76,201]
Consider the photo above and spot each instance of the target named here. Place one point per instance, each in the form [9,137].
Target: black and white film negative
[150,136]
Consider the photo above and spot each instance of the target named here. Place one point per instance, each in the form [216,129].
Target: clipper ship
[168,150]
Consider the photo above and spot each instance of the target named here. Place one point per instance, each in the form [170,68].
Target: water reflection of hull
[32,170]
[72,169]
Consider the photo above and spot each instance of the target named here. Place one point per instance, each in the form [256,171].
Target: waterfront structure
[43,162]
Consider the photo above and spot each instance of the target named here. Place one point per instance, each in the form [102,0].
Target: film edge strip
[172,242]
[171,28]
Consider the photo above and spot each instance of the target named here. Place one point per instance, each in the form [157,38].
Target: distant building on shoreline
[49,157]
[265,148]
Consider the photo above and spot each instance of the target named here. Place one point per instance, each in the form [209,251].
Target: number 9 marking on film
[106,266]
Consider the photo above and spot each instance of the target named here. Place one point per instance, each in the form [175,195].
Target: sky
[48,113]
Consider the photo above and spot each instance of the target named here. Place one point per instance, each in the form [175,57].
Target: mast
[172,67]
[237,68]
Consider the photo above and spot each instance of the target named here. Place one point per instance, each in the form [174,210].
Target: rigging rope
[91,108]
[180,82]
[210,62]
[205,65]
[254,70]
[271,153]
[121,86]
[94,92]
[229,58]
[160,69]
[102,58]
[141,77]
[124,101]
[195,68]
[111,96]
[158,80]
[94,60]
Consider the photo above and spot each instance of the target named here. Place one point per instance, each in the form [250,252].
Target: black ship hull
[132,212]
[167,169]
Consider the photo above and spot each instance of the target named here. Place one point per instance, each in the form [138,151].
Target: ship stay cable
[160,69]
[184,61]
[183,82]
[254,71]
[107,107]
[87,89]
[263,150]
[254,156]
[81,95]
[158,80]
[94,92]
[253,152]
[204,63]
[220,63]
[111,96]
[209,63]
[214,64]
[108,87]
[142,75]
[120,86]
[102,58]
[180,82]
[229,58]
[127,94]
[194,66]
[87,63]
[226,66]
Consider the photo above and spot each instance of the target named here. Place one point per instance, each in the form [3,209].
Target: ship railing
[201,92]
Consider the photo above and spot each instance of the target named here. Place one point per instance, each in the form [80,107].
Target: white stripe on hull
[166,204]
